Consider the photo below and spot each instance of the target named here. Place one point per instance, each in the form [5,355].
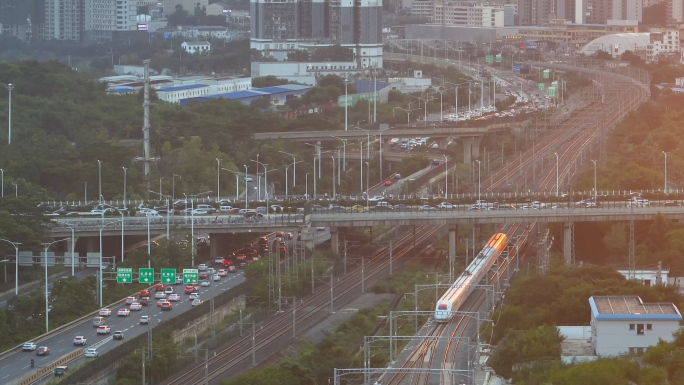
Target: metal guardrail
[44,371]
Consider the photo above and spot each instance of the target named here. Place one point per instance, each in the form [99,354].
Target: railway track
[591,120]
[278,331]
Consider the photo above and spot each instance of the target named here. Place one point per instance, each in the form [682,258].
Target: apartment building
[64,19]
[469,13]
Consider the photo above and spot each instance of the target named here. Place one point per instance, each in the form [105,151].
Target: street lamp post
[173,186]
[294,177]
[665,187]
[258,179]
[160,187]
[595,192]
[2,180]
[346,83]
[167,216]
[73,241]
[47,246]
[556,154]
[246,188]
[124,196]
[287,168]
[100,267]
[237,184]
[367,183]
[306,191]
[99,181]
[10,87]
[314,177]
[192,221]
[344,152]
[218,180]
[16,189]
[446,176]
[333,176]
[16,264]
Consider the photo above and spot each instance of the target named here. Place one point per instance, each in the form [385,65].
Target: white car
[199,212]
[91,353]
[445,205]
[217,277]
[105,312]
[124,312]
[145,211]
[204,283]
[202,267]
[29,347]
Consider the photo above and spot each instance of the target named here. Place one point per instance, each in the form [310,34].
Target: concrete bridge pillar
[335,240]
[218,243]
[92,245]
[442,142]
[67,253]
[475,147]
[467,144]
[567,243]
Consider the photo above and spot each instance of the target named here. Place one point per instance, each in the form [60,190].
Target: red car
[144,293]
[166,306]
[234,210]
[226,262]
[388,183]
[159,287]
[189,289]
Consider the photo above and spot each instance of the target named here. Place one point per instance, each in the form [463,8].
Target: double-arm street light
[2,183]
[99,181]
[408,113]
[594,162]
[287,168]
[246,187]
[556,154]
[237,184]
[259,180]
[218,180]
[47,246]
[124,196]
[344,152]
[294,160]
[16,264]
[346,102]
[446,176]
[10,87]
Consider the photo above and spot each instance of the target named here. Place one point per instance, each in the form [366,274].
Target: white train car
[452,300]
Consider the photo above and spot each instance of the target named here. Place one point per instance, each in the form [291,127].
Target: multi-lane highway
[17,364]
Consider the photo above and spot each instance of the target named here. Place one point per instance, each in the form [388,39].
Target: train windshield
[442,306]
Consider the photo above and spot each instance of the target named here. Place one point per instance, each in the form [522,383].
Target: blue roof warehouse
[277,94]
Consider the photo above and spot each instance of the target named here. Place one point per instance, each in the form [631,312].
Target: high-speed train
[452,300]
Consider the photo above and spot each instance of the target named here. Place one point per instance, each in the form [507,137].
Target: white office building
[627,325]
[102,17]
[198,47]
[468,13]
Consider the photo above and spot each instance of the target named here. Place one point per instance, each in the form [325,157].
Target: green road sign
[552,92]
[145,275]
[541,86]
[124,274]
[190,276]
[489,59]
[498,58]
[546,74]
[168,276]
[555,83]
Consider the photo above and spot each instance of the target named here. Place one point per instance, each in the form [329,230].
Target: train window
[442,306]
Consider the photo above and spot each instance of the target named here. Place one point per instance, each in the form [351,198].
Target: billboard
[142,27]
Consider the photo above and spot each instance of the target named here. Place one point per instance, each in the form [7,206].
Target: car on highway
[169,290]
[145,301]
[92,353]
[251,214]
[222,273]
[79,341]
[202,267]
[445,206]
[166,306]
[123,312]
[103,329]
[118,335]
[358,208]
[135,306]
[159,287]
[159,295]
[29,347]
[388,183]
[193,296]
[174,298]
[204,283]
[130,300]
[105,312]
[376,198]
[143,293]
[217,277]
[144,320]
[60,370]
[43,351]
[196,302]
[232,269]
[199,212]
[161,302]
[189,290]
[427,208]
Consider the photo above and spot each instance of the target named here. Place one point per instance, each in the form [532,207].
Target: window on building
[640,350]
[640,329]
[631,326]
[649,326]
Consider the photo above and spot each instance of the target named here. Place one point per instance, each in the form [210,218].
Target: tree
[267,81]
[261,103]
[332,53]
[337,82]
[603,55]
[299,55]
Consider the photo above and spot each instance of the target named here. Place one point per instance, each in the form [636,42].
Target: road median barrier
[42,372]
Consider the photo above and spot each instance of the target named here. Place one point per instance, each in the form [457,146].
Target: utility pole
[332,309]
[253,344]
[143,365]
[294,317]
[390,256]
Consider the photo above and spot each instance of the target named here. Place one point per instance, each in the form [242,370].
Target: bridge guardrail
[42,372]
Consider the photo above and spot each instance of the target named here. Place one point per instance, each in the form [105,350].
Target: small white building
[627,325]
[648,277]
[175,94]
[198,47]
[407,85]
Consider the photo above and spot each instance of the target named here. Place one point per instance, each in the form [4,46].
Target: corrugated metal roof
[181,88]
